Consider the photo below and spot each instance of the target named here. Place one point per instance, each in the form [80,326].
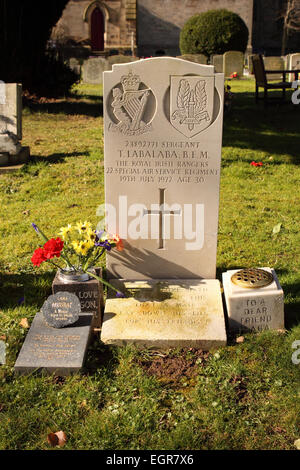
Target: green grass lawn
[243,396]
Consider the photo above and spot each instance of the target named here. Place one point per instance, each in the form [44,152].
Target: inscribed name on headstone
[55,350]
[233,61]
[274,63]
[61,309]
[92,71]
[163,122]
[166,314]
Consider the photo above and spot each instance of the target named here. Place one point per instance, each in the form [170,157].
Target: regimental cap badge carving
[192,100]
[129,106]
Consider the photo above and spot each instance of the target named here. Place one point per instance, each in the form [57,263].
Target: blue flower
[35,227]
[120,295]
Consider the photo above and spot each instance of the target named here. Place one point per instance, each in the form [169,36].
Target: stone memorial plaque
[233,61]
[89,293]
[61,309]
[52,350]
[163,122]
[169,313]
[254,309]
[274,63]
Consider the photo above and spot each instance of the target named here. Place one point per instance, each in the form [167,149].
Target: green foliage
[244,396]
[214,32]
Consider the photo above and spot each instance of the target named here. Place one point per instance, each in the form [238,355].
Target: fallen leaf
[52,439]
[240,339]
[58,438]
[3,338]
[24,323]
[27,212]
[297,444]
[276,228]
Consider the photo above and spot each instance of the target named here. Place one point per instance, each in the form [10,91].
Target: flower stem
[102,280]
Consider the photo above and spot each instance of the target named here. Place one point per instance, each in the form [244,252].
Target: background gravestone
[217,61]
[294,64]
[120,59]
[92,71]
[233,61]
[11,150]
[157,159]
[198,58]
[274,63]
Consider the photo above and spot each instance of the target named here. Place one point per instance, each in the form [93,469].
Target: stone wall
[73,28]
[160,21]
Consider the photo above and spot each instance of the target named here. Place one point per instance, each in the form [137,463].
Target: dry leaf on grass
[24,323]
[297,444]
[240,339]
[58,438]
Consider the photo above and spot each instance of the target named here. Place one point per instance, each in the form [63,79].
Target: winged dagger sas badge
[191,104]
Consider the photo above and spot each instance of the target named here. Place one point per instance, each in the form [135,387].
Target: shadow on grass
[54,158]
[87,105]
[273,129]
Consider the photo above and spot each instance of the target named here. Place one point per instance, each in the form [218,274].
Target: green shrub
[214,32]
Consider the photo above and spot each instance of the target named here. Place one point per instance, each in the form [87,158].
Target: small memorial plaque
[61,309]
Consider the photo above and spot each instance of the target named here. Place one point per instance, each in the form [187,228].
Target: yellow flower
[83,227]
[65,231]
[90,236]
[77,248]
[82,247]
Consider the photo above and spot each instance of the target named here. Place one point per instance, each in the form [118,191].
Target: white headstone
[163,121]
[233,62]
[294,64]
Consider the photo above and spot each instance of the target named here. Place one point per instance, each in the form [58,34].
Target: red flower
[53,247]
[256,163]
[119,243]
[38,257]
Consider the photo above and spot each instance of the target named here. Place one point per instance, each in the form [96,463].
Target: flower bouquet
[80,247]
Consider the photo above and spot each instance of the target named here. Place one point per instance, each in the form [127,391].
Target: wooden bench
[261,80]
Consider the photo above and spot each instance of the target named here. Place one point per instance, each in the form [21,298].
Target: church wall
[160,21]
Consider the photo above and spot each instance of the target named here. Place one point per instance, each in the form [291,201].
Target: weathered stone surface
[293,64]
[11,111]
[233,61]
[217,61]
[198,58]
[254,309]
[92,70]
[163,134]
[121,59]
[51,350]
[169,313]
[89,293]
[61,309]
[9,161]
[274,63]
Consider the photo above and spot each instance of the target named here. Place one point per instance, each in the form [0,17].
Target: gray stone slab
[11,110]
[7,160]
[233,61]
[61,309]
[92,71]
[217,61]
[274,63]
[89,293]
[168,313]
[52,350]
